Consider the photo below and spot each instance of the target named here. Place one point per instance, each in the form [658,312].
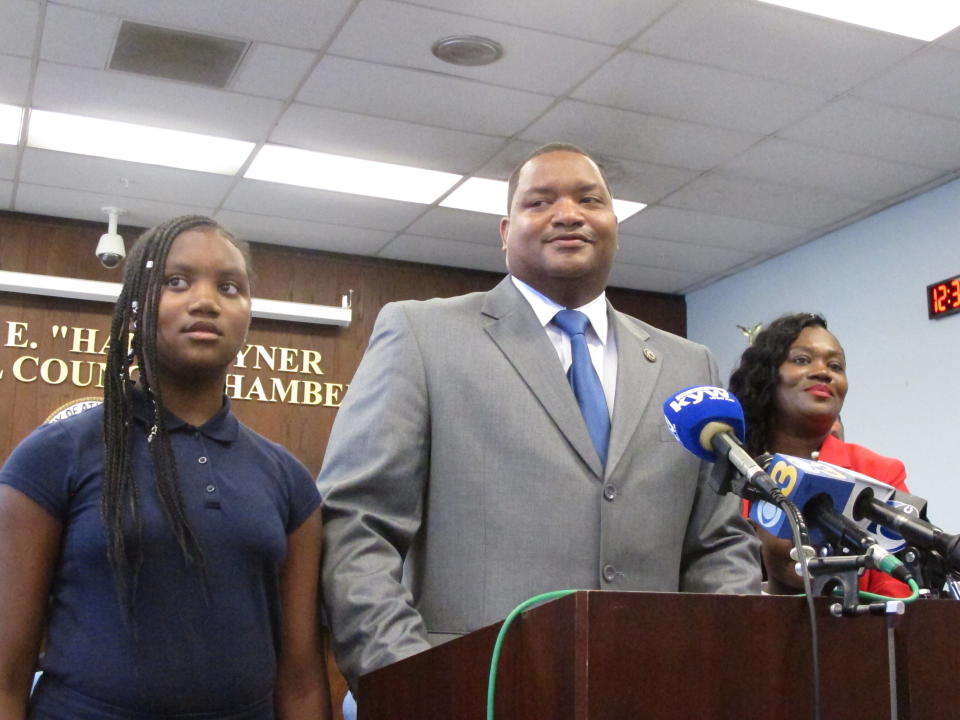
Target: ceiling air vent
[176,55]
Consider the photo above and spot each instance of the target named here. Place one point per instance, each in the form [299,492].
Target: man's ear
[504,229]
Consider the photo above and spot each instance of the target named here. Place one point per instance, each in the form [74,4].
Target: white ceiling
[747,129]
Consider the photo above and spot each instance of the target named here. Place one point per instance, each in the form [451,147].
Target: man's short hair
[543,150]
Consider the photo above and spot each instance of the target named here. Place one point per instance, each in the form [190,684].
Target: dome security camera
[110,248]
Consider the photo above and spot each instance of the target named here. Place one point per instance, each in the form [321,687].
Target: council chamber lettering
[269,371]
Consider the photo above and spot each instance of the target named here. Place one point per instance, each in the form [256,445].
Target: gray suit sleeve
[721,553]
[372,483]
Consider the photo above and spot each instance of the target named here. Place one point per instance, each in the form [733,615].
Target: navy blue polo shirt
[189,646]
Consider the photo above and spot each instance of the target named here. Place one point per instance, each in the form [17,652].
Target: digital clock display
[943,298]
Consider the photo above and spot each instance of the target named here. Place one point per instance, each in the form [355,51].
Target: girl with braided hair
[179,550]
[792,382]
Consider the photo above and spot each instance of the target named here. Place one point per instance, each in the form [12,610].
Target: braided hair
[133,337]
[756,379]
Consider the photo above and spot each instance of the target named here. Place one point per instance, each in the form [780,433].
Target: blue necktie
[585,381]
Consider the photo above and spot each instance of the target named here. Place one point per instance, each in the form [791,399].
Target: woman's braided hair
[133,338]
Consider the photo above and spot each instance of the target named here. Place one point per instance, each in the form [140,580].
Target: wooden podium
[620,656]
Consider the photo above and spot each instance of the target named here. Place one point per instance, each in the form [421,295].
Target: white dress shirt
[601,340]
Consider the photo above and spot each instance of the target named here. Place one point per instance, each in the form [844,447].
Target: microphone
[708,421]
[820,513]
[917,531]
[801,480]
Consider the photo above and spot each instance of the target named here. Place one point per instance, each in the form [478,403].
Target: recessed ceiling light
[920,19]
[469,50]
[136,143]
[292,166]
[490,196]
[11,118]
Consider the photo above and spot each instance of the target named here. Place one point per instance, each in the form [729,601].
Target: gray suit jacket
[460,479]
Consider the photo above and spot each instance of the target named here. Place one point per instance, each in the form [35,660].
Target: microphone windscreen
[688,411]
[800,480]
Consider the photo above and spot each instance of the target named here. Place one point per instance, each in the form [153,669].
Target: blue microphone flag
[688,411]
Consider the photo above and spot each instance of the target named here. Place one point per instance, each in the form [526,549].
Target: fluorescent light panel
[920,19]
[98,291]
[11,117]
[490,196]
[273,163]
[292,166]
[136,143]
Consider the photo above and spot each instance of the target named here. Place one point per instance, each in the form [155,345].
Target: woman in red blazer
[792,382]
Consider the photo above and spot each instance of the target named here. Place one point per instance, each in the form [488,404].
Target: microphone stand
[843,572]
[932,572]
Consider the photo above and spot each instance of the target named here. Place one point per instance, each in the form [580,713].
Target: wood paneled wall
[52,246]
[31,327]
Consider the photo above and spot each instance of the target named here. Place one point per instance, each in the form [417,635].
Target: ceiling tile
[18,26]
[297,23]
[272,71]
[139,212]
[321,206]
[766,202]
[421,97]
[153,101]
[689,226]
[14,80]
[928,81]
[398,34]
[859,126]
[607,21]
[717,110]
[759,39]
[392,141]
[77,37]
[791,163]
[6,194]
[686,91]
[501,165]
[639,137]
[629,179]
[120,180]
[679,256]
[950,40]
[305,234]
[459,225]
[8,161]
[642,277]
[437,251]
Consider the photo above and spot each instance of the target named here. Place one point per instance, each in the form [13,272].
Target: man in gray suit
[461,476]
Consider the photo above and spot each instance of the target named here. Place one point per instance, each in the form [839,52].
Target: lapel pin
[650,355]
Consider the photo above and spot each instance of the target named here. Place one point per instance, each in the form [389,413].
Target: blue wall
[869,280]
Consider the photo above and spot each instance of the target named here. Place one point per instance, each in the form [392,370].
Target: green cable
[914,589]
[495,658]
[864,595]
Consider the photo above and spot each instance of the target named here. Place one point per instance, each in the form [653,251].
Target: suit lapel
[636,380]
[517,332]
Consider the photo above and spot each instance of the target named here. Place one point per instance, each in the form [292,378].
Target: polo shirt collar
[223,427]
